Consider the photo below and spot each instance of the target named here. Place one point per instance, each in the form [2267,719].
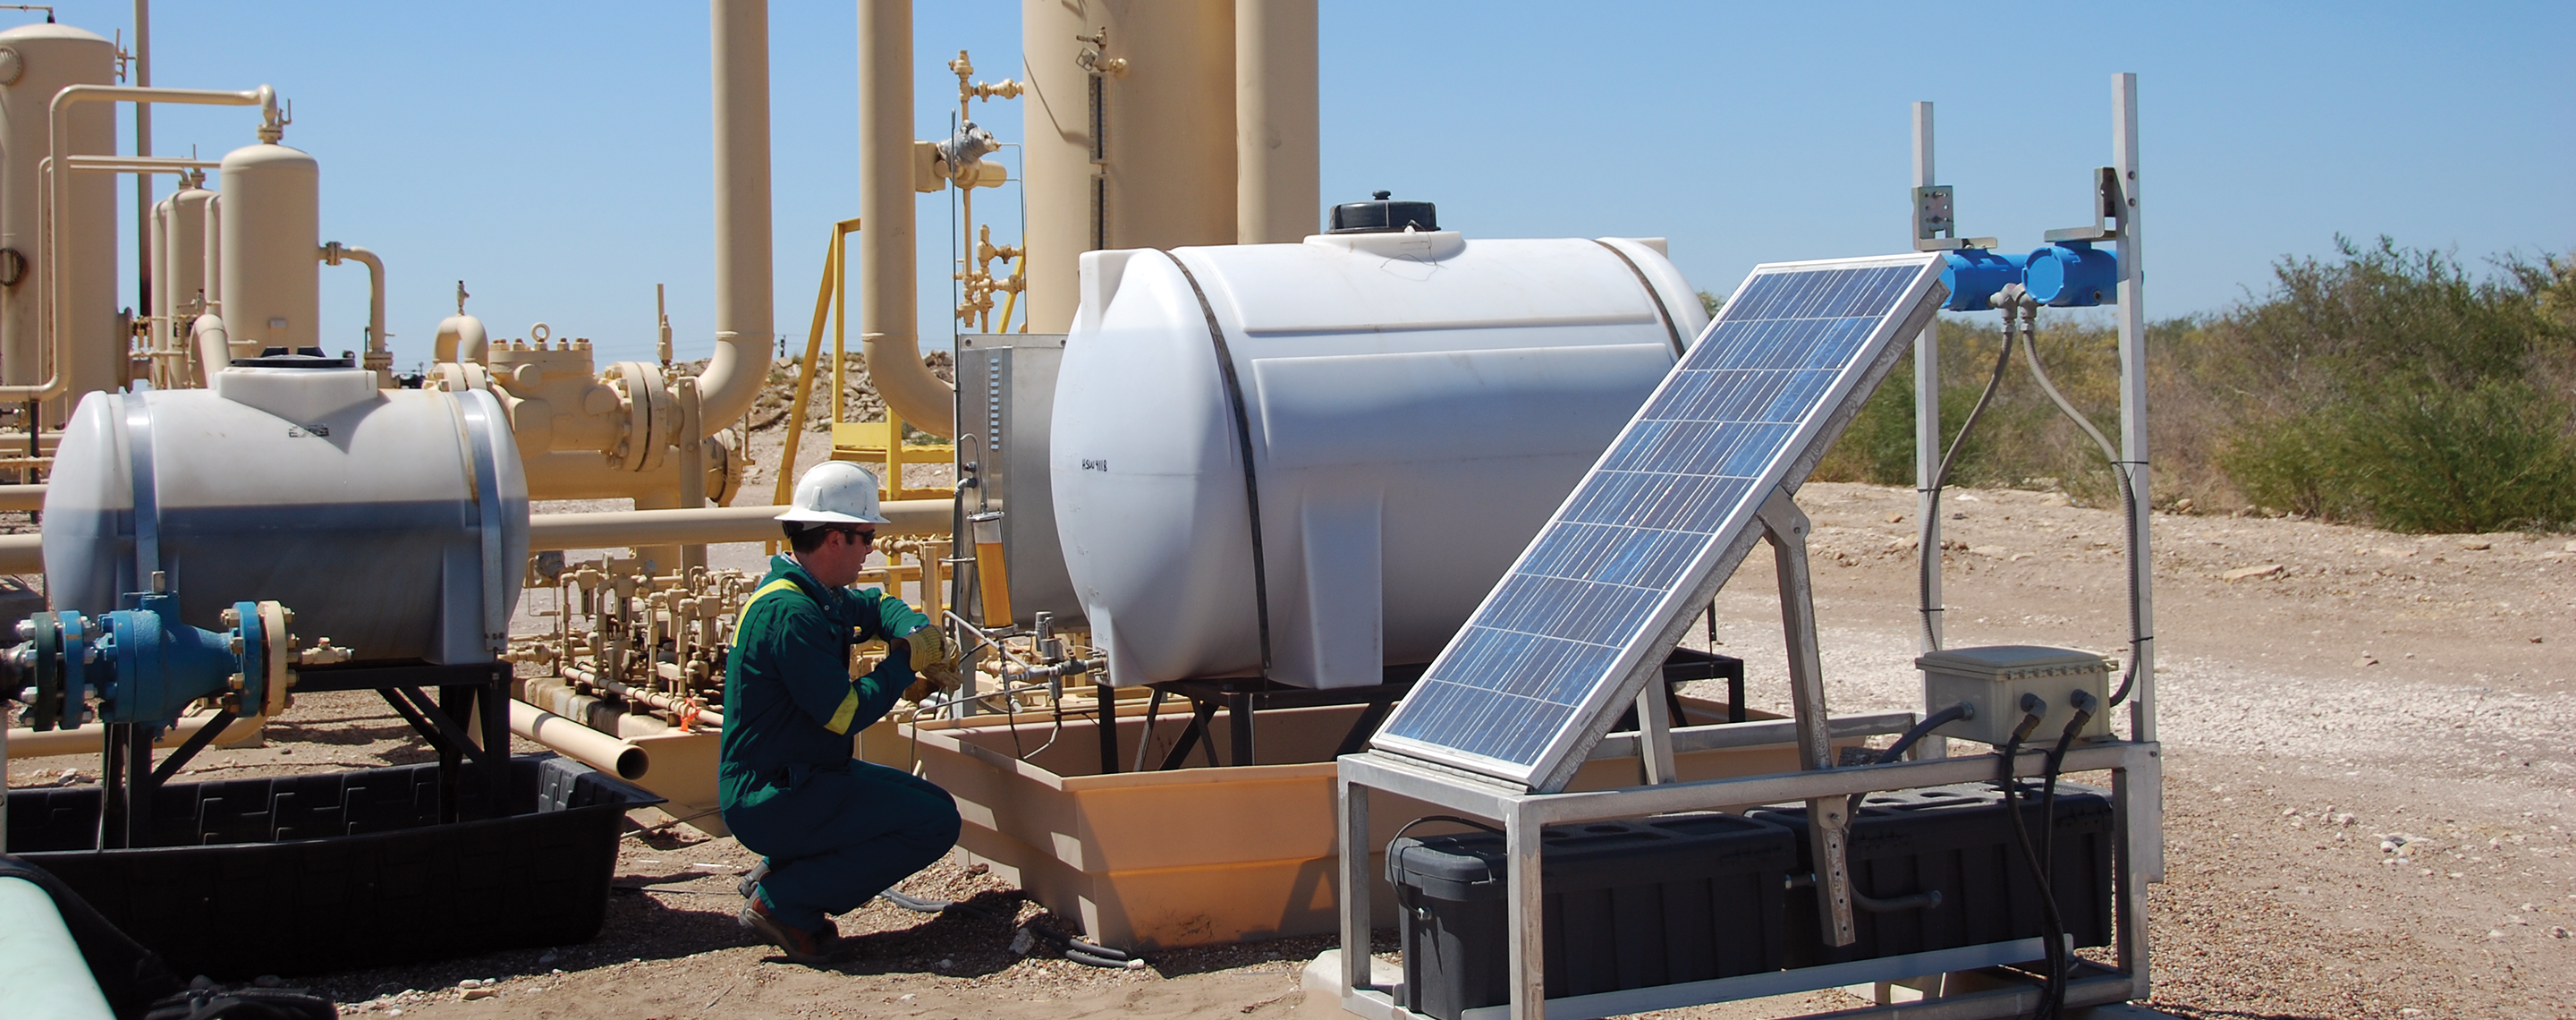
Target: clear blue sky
[556,155]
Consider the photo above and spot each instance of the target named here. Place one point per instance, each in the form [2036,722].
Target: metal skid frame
[2136,794]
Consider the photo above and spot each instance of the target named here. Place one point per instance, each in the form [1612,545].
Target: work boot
[811,948]
[750,883]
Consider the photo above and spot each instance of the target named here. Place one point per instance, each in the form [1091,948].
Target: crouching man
[833,832]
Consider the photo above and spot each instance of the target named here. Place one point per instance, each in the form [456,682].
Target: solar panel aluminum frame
[1569,747]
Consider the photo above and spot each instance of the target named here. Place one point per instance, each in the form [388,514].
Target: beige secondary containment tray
[1194,856]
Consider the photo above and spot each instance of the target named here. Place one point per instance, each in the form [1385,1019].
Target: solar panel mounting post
[1785,527]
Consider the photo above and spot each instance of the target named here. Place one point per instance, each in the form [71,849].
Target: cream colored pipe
[460,339]
[744,317]
[581,743]
[333,253]
[22,554]
[25,743]
[1278,158]
[213,344]
[60,200]
[22,497]
[610,529]
[889,312]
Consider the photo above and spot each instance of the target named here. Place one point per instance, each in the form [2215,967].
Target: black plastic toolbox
[304,874]
[1628,904]
[1958,841]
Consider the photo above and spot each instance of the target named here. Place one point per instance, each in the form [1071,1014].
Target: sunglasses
[859,535]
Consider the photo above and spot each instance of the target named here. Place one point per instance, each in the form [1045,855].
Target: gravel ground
[2367,802]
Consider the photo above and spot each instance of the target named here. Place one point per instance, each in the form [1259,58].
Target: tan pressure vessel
[1165,172]
[272,282]
[179,274]
[37,61]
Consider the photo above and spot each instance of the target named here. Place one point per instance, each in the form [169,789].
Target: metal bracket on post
[1829,820]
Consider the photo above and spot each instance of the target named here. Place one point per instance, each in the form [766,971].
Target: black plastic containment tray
[1958,841]
[1628,904]
[305,874]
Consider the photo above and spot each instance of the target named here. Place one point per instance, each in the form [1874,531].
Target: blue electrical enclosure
[2072,275]
[1975,274]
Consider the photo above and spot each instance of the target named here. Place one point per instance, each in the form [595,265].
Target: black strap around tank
[1243,444]
[1670,328]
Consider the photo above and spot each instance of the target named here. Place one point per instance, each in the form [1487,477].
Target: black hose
[1896,751]
[2053,942]
[2083,704]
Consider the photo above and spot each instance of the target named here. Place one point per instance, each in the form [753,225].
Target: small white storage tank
[1413,403]
[394,522]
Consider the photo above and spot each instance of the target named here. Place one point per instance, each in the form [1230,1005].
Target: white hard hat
[835,492]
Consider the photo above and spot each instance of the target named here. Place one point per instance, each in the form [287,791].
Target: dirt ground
[2368,798]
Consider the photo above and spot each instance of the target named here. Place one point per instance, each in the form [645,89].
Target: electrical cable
[2128,494]
[1896,751]
[1930,559]
[2082,702]
[1074,949]
[2032,710]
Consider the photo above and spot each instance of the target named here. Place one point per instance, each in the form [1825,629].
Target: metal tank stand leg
[1786,527]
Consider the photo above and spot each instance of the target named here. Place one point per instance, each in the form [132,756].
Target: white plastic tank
[1414,404]
[394,522]
[37,61]
[272,276]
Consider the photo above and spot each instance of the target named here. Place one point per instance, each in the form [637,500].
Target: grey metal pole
[1927,421]
[2133,398]
[143,147]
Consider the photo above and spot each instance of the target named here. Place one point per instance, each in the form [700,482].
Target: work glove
[936,661]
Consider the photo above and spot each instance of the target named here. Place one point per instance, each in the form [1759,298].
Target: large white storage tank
[1413,405]
[394,522]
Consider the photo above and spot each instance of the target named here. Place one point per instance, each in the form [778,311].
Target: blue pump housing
[142,664]
[1974,275]
[2072,275]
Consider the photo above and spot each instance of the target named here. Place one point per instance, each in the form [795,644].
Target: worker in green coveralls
[832,832]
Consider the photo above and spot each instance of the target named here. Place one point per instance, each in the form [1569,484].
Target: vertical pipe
[2133,399]
[1278,166]
[744,327]
[889,307]
[1927,422]
[143,147]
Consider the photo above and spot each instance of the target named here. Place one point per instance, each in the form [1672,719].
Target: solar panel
[1561,645]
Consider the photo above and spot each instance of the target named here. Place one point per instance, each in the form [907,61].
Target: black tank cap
[301,357]
[1382,216]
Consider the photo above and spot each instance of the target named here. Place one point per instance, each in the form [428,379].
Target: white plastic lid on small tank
[1415,404]
[393,522]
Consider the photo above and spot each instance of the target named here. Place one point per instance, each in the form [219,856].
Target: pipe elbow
[910,389]
[731,381]
[213,345]
[461,339]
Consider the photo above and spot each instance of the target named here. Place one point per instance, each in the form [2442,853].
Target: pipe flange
[650,413]
[279,654]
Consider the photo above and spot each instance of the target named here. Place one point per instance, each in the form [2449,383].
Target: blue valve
[143,664]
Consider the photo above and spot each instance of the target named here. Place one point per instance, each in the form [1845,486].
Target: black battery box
[1958,841]
[1628,904]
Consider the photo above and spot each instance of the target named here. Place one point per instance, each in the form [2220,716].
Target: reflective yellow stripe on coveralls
[849,710]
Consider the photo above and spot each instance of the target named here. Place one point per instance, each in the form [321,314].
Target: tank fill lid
[301,357]
[1382,215]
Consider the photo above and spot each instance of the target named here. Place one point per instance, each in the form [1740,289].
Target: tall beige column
[745,321]
[1278,166]
[889,304]
[1164,173]
[37,61]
